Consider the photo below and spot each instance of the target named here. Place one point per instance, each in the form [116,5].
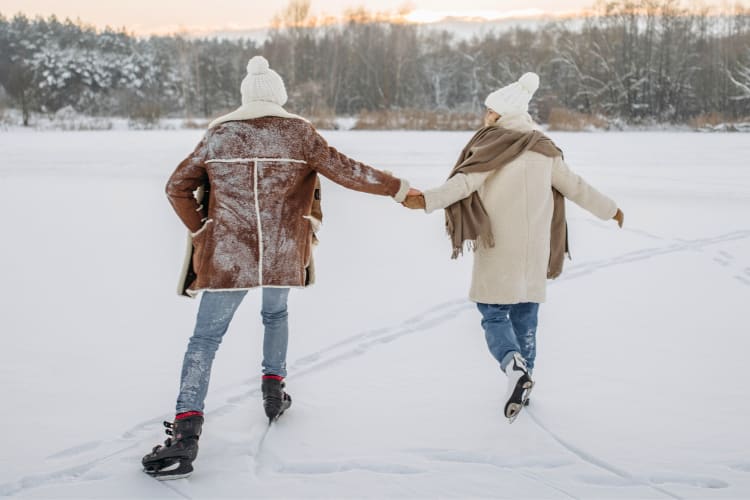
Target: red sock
[187,414]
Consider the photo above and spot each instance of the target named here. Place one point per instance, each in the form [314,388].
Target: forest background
[643,63]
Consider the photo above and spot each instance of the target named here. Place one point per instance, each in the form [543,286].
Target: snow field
[640,375]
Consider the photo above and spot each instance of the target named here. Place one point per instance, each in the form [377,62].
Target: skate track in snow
[140,436]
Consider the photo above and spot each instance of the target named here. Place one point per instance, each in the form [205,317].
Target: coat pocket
[199,245]
[309,235]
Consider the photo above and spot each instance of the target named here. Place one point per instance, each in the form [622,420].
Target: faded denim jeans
[214,315]
[509,329]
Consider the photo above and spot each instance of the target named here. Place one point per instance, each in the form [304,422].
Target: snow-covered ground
[642,371]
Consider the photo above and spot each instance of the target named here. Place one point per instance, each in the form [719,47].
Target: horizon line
[418,17]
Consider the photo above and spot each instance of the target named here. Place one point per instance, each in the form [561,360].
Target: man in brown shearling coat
[256,172]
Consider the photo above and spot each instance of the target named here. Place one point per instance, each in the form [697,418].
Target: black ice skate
[519,387]
[174,459]
[275,400]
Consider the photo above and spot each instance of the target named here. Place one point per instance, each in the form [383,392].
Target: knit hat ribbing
[262,83]
[514,99]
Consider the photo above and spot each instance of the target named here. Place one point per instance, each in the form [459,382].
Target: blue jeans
[509,329]
[214,315]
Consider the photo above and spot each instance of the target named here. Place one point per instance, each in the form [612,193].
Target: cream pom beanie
[514,99]
[262,83]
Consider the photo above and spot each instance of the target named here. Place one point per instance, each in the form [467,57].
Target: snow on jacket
[519,201]
[255,229]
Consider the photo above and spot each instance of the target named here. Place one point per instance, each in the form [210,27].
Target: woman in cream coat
[509,279]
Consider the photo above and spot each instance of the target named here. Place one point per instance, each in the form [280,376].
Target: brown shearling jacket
[255,229]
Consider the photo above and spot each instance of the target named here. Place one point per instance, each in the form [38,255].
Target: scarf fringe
[472,245]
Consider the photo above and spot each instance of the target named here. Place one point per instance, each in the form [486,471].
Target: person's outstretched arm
[352,174]
[573,187]
[189,175]
[456,188]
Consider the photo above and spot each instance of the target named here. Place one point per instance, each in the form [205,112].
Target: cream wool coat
[518,199]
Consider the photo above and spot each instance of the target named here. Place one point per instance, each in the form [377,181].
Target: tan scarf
[491,148]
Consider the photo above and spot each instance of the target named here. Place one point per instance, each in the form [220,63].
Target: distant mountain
[462,27]
[468,27]
[257,34]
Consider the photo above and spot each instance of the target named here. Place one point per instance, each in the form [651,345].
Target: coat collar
[254,109]
[520,122]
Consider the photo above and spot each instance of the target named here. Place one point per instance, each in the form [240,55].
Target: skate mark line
[596,462]
[354,464]
[174,489]
[74,450]
[259,448]
[343,350]
[585,268]
[64,475]
[409,327]
[414,324]
[722,257]
[376,333]
[386,334]
[549,484]
[513,469]
[434,315]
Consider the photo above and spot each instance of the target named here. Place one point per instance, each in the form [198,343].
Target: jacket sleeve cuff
[430,202]
[400,196]
[608,211]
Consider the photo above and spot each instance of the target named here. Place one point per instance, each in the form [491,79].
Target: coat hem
[194,293]
[506,300]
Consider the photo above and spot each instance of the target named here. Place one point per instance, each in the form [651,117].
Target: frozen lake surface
[641,374]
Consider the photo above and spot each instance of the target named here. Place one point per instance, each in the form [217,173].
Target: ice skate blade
[271,420]
[528,386]
[514,409]
[169,470]
[176,476]
[287,403]
[519,398]
[162,476]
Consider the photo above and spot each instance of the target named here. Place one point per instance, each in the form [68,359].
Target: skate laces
[169,430]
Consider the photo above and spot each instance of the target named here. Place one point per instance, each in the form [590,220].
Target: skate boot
[174,459]
[275,400]
[519,387]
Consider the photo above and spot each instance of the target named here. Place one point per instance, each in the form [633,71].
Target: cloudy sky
[167,16]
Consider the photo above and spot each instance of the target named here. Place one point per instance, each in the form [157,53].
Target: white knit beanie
[262,83]
[514,99]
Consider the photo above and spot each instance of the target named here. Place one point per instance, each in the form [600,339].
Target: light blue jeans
[214,315]
[509,329]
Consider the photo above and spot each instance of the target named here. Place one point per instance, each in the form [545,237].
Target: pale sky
[168,16]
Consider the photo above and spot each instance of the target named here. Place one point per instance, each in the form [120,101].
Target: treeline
[644,61]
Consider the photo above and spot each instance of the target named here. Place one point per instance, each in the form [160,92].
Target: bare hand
[413,192]
[619,217]
[415,202]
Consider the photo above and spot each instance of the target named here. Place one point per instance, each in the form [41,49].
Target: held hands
[619,217]
[414,199]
